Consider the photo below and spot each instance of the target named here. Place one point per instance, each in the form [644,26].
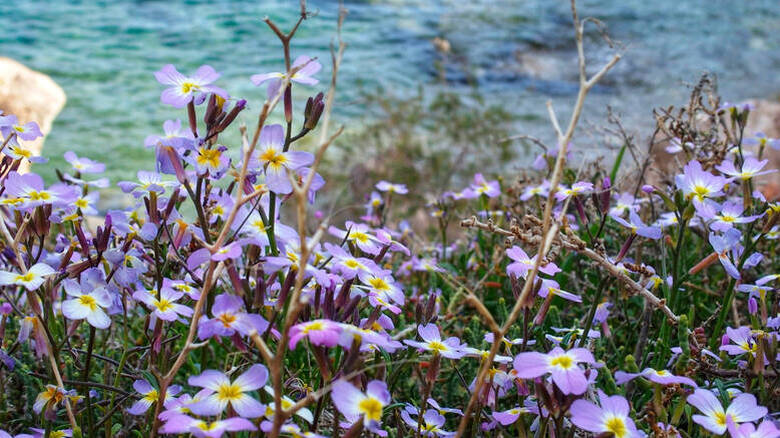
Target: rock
[31,96]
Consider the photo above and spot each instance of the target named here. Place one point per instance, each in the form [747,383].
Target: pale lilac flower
[742,339]
[86,302]
[84,165]
[761,140]
[741,410]
[662,377]
[562,365]
[224,392]
[164,307]
[270,154]
[25,131]
[181,424]
[611,417]
[522,263]
[185,89]
[730,214]
[287,403]
[750,168]
[432,423]
[450,348]
[676,145]
[322,332]
[698,184]
[552,287]
[541,190]
[434,404]
[354,403]
[27,191]
[309,68]
[723,244]
[211,160]
[149,396]
[638,227]
[230,251]
[147,182]
[510,416]
[578,188]
[481,186]
[766,429]
[228,318]
[385,186]
[32,280]
[624,202]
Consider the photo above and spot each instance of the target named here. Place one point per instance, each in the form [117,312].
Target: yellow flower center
[352,263]
[720,418]
[701,191]
[437,346]
[151,396]
[188,87]
[39,196]
[24,278]
[378,284]
[359,236]
[227,319]
[313,326]
[562,361]
[273,158]
[209,157]
[617,426]
[228,392]
[371,408]
[88,301]
[163,305]
[82,203]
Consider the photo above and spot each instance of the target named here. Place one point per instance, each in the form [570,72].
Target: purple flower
[541,190]
[638,227]
[450,348]
[84,165]
[730,214]
[766,429]
[481,186]
[432,422]
[354,403]
[522,263]
[323,332]
[552,287]
[180,424]
[277,163]
[359,235]
[698,184]
[384,186]
[741,410]
[27,191]
[578,188]
[611,417]
[223,392]
[86,303]
[302,76]
[185,89]
[149,396]
[661,377]
[750,168]
[228,318]
[231,251]
[26,131]
[165,307]
[723,244]
[742,339]
[562,365]
[761,140]
[32,280]
[624,202]
[510,416]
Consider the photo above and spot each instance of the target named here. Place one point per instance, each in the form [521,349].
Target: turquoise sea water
[517,53]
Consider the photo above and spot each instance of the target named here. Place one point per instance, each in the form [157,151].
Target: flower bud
[313,111]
